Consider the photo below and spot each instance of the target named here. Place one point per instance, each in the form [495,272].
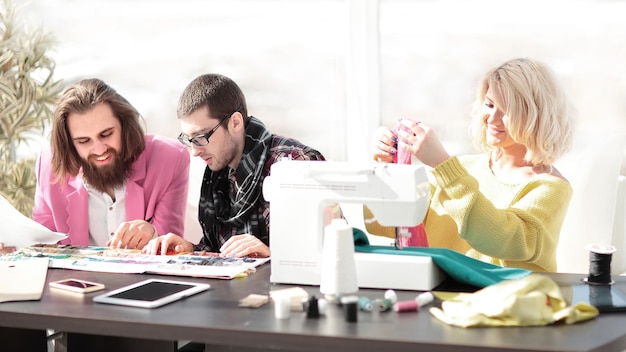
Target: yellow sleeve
[515,225]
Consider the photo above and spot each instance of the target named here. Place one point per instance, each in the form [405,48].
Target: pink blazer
[156,191]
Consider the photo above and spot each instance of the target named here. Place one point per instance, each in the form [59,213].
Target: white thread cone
[282,306]
[338,269]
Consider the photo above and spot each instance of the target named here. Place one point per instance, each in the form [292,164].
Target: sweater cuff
[449,171]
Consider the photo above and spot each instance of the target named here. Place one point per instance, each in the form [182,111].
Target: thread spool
[349,304]
[600,265]
[405,306]
[424,298]
[391,295]
[313,309]
[338,268]
[415,304]
[282,306]
[383,304]
[365,304]
[322,306]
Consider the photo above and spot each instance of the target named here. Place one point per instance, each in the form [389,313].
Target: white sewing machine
[300,194]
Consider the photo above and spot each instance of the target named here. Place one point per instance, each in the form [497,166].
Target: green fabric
[460,267]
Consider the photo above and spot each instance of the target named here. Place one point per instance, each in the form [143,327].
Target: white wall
[329,71]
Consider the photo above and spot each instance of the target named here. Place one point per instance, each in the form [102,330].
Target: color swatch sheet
[104,259]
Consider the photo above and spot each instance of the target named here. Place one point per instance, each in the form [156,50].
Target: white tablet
[151,293]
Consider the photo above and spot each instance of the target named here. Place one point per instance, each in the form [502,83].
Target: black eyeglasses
[202,139]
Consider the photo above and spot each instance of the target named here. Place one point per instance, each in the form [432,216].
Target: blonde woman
[505,205]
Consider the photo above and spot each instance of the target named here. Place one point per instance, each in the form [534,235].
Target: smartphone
[76,285]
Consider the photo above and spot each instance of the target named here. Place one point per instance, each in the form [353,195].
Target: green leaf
[28,92]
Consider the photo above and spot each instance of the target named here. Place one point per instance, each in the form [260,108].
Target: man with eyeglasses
[104,181]
[238,150]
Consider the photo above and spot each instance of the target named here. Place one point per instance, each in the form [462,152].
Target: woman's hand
[422,142]
[385,144]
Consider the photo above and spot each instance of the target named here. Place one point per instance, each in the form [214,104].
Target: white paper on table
[22,280]
[21,231]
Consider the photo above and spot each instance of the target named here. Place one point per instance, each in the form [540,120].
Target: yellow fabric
[535,300]
[473,212]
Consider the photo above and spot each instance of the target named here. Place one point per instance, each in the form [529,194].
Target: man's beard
[106,177]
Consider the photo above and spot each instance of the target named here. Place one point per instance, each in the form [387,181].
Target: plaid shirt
[248,214]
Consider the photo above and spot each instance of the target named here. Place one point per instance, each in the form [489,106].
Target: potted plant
[28,93]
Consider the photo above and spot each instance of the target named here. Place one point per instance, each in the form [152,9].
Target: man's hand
[133,234]
[246,245]
[6,249]
[166,244]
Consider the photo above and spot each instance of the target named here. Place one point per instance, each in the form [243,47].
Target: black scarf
[215,211]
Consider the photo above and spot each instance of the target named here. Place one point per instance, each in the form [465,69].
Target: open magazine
[33,240]
[21,231]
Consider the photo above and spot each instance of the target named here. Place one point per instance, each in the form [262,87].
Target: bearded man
[238,150]
[104,182]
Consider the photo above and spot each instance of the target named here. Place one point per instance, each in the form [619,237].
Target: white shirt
[105,214]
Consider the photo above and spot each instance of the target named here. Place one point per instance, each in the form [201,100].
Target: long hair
[540,116]
[220,94]
[81,98]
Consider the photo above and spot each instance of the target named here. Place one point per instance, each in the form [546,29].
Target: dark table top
[214,317]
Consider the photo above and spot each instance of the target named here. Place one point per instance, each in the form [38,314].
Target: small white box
[398,272]
[382,271]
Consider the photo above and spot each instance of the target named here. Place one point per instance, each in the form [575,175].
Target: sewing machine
[302,195]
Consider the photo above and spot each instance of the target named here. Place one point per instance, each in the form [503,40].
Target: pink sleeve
[41,211]
[169,213]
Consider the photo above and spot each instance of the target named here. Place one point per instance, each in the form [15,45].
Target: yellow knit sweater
[473,212]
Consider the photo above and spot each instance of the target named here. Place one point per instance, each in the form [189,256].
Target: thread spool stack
[600,265]
[338,268]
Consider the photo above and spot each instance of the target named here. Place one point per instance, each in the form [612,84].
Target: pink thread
[408,236]
[406,306]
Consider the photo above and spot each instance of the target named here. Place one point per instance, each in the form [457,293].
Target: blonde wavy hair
[540,115]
